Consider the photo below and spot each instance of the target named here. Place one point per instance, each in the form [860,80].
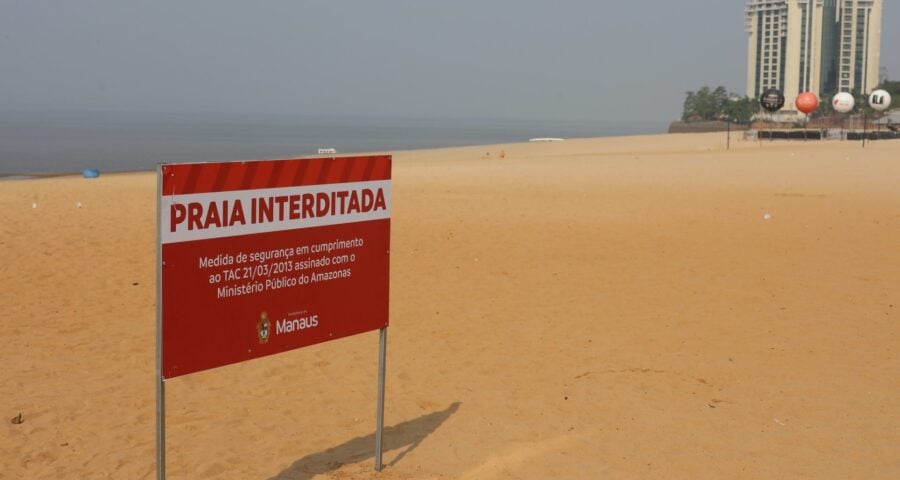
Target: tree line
[708,104]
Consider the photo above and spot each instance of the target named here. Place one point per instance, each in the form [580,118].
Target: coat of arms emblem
[262,327]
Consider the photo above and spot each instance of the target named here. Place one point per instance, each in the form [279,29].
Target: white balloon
[843,102]
[880,100]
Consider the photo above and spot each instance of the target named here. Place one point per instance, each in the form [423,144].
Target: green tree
[715,104]
[891,87]
[739,109]
[826,109]
[862,102]
[688,108]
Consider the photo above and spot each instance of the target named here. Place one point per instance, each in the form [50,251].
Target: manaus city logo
[263,327]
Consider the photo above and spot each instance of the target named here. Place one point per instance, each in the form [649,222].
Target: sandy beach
[628,308]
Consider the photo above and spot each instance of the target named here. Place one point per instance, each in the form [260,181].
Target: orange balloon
[807,102]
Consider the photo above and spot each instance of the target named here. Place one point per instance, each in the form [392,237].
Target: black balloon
[772,100]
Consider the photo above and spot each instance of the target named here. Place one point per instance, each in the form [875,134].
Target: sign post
[258,258]
[379,409]
[728,141]
[160,380]
[865,127]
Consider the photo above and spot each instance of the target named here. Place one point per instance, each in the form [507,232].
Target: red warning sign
[262,257]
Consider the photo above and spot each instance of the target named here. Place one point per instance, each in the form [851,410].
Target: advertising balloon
[880,100]
[807,102]
[772,100]
[843,102]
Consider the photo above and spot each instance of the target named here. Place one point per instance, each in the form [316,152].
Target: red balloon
[807,102]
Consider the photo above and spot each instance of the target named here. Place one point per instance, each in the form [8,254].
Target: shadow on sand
[408,434]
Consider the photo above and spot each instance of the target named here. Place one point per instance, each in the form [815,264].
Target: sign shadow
[407,434]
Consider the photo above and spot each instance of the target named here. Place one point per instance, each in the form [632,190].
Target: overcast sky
[528,59]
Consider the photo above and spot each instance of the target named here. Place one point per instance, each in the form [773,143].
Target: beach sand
[629,308]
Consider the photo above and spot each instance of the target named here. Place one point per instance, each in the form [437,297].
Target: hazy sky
[529,59]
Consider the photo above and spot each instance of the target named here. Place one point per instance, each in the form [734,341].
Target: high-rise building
[820,46]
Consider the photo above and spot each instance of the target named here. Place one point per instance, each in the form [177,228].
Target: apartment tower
[820,46]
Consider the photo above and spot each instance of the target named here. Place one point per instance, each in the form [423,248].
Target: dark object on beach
[91,173]
[772,100]
[17,420]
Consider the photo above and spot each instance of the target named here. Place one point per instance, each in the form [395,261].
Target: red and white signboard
[267,256]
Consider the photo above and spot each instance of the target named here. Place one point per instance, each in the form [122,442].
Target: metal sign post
[161,430]
[865,128]
[728,141]
[379,411]
[160,381]
[806,128]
